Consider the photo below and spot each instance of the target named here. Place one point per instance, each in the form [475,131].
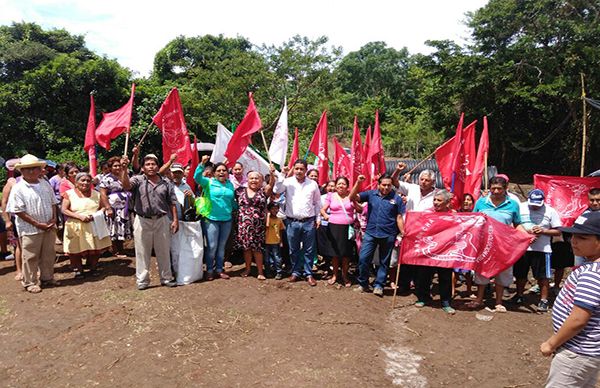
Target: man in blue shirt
[506,210]
[384,223]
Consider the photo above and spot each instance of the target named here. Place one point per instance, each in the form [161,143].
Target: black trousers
[424,278]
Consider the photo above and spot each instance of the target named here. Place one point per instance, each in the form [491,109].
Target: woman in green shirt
[218,222]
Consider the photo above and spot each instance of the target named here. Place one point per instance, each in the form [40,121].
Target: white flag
[279,144]
[251,160]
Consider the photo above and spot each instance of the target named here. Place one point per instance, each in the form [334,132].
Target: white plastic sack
[187,252]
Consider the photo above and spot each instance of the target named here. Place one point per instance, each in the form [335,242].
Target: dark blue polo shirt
[382,213]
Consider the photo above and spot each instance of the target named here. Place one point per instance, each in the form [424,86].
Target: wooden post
[397,277]
[584,136]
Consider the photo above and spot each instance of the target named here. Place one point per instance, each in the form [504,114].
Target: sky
[133,31]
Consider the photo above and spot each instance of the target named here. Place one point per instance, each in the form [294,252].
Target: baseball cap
[151,156]
[176,167]
[536,197]
[503,176]
[587,223]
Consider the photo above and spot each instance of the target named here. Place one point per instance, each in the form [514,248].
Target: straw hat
[29,161]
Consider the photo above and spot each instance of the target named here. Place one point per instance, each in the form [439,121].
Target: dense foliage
[522,69]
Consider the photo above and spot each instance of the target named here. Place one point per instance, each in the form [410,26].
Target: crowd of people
[290,227]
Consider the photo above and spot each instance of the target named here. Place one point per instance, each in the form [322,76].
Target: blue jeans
[305,233]
[217,233]
[365,260]
[273,256]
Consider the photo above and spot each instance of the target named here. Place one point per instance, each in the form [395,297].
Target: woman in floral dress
[252,205]
[119,225]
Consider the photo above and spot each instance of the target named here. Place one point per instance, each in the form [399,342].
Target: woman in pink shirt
[339,210]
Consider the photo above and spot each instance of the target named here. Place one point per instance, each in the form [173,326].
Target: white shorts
[504,278]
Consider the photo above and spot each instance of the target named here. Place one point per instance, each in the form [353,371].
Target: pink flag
[242,136]
[473,184]
[175,138]
[342,166]
[472,241]
[90,138]
[115,123]
[295,150]
[356,154]
[318,146]
[566,194]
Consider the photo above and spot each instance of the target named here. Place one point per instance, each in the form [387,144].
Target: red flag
[342,165]
[456,160]
[356,155]
[115,123]
[367,165]
[375,155]
[461,240]
[175,138]
[195,162]
[295,150]
[566,194]
[473,184]
[318,146]
[242,136]
[89,144]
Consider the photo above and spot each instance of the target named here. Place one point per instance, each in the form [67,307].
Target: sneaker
[543,306]
[278,276]
[419,304]
[142,287]
[79,275]
[360,288]
[169,283]
[378,291]
[448,310]
[517,299]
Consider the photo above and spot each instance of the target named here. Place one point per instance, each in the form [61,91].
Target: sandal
[261,277]
[34,289]
[19,276]
[245,274]
[500,308]
[331,281]
[474,305]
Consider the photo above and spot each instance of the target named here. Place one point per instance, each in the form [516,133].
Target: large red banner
[472,241]
[175,138]
[566,194]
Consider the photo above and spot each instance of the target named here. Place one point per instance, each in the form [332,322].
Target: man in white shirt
[542,221]
[418,198]
[302,204]
[33,202]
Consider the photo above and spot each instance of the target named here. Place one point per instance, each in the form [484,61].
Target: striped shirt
[36,200]
[581,289]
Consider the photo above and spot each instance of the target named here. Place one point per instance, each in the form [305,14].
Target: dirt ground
[243,332]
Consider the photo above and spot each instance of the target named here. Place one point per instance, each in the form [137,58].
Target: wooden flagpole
[266,147]
[126,143]
[584,136]
[485,171]
[428,157]
[144,135]
[397,277]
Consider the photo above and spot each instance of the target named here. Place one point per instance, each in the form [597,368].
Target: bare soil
[243,332]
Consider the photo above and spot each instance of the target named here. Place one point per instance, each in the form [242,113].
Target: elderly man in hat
[33,203]
[183,191]
[153,199]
